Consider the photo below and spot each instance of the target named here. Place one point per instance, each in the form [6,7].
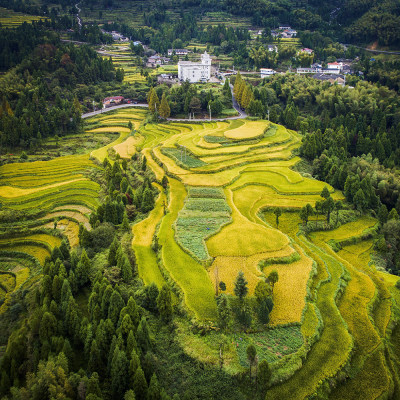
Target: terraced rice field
[122,57]
[59,190]
[215,219]
[12,19]
[339,300]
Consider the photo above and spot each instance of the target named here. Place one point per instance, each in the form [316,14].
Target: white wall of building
[195,71]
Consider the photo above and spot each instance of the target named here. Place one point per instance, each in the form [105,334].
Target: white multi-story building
[195,71]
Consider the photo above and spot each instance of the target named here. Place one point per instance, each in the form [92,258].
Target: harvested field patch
[249,130]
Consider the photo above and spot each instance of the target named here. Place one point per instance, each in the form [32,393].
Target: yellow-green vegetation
[21,275]
[12,19]
[189,275]
[143,233]
[333,327]
[117,121]
[249,130]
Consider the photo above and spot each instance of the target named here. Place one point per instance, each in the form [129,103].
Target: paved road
[236,106]
[104,110]
[374,51]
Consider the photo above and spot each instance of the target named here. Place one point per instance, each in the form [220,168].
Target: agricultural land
[217,185]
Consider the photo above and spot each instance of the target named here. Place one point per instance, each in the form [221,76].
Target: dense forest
[45,77]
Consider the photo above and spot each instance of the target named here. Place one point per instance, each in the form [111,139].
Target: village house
[112,101]
[332,78]
[195,71]
[178,52]
[272,47]
[168,79]
[285,32]
[306,50]
[311,70]
[335,67]
[266,72]
[156,60]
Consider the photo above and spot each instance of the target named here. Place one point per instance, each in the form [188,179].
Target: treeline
[98,349]
[18,43]
[38,98]
[186,98]
[370,21]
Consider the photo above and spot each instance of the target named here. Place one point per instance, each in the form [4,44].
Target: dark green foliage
[140,385]
[224,312]
[263,294]
[149,297]
[251,355]
[241,288]
[278,213]
[306,212]
[154,391]
[264,375]
[164,304]
[115,307]
[243,314]
[83,269]
[148,200]
[119,373]
[143,336]
[273,277]
[112,253]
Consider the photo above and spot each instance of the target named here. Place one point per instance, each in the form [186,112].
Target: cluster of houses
[116,100]
[178,52]
[284,31]
[157,60]
[333,68]
[117,37]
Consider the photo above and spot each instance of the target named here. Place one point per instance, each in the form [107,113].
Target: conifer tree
[95,363]
[143,336]
[83,269]
[131,344]
[140,385]
[241,288]
[154,102]
[148,200]
[224,312]
[238,81]
[119,373]
[112,253]
[264,375]
[115,307]
[154,391]
[165,110]
[164,304]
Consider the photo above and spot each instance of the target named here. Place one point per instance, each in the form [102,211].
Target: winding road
[235,104]
[78,17]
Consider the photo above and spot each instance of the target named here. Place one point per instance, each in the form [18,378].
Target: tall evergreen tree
[140,385]
[241,288]
[164,304]
[165,110]
[119,373]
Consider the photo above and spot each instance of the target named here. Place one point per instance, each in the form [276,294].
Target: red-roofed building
[335,66]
